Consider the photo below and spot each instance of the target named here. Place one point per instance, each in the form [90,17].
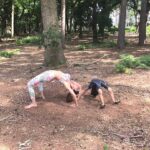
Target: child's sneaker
[116,102]
[102,106]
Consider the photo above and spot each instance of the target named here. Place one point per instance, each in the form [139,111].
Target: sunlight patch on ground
[5,102]
[147,100]
[3,59]
[4,147]
[106,117]
[86,141]
[130,103]
[108,61]
[146,110]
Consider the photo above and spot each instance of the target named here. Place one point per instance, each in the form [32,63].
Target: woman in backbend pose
[49,76]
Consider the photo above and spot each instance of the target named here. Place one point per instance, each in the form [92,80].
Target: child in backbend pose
[96,86]
[49,76]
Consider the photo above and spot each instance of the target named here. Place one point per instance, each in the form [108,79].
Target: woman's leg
[32,96]
[40,87]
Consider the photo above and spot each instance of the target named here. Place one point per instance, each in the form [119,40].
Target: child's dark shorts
[96,84]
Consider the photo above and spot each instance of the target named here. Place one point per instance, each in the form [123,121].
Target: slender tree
[122,19]
[12,20]
[54,54]
[63,20]
[94,22]
[142,24]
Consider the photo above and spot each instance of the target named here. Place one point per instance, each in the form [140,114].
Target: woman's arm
[67,85]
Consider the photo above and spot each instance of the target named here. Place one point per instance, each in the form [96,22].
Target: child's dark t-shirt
[96,83]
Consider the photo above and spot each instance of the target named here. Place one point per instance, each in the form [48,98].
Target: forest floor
[54,125]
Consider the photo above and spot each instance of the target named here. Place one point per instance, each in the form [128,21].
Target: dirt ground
[54,125]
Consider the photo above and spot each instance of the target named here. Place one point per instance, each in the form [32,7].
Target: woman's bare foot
[31,105]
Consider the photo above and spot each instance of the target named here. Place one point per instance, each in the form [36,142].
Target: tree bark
[122,21]
[54,54]
[63,21]
[12,20]
[142,24]
[94,23]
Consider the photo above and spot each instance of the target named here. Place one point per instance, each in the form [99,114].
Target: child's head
[94,77]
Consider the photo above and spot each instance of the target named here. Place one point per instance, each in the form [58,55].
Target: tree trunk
[3,26]
[54,54]
[122,19]
[142,24]
[12,20]
[63,21]
[67,23]
[80,32]
[94,24]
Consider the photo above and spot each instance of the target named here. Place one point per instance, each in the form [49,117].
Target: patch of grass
[9,53]
[148,30]
[82,47]
[113,30]
[29,40]
[103,44]
[108,44]
[105,147]
[131,29]
[129,62]
[144,62]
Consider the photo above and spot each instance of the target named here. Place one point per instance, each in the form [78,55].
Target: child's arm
[82,92]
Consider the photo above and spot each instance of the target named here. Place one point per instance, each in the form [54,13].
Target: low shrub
[9,53]
[129,62]
[29,40]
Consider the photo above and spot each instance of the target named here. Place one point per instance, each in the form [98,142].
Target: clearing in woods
[56,125]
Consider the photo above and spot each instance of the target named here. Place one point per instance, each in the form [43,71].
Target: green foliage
[144,61]
[108,44]
[27,16]
[9,53]
[104,23]
[148,30]
[51,38]
[102,44]
[105,147]
[68,37]
[128,62]
[82,47]
[131,29]
[29,40]
[113,30]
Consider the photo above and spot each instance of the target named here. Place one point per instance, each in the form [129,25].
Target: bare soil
[54,125]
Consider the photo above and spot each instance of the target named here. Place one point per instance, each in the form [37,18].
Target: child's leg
[112,95]
[32,96]
[100,93]
[40,87]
